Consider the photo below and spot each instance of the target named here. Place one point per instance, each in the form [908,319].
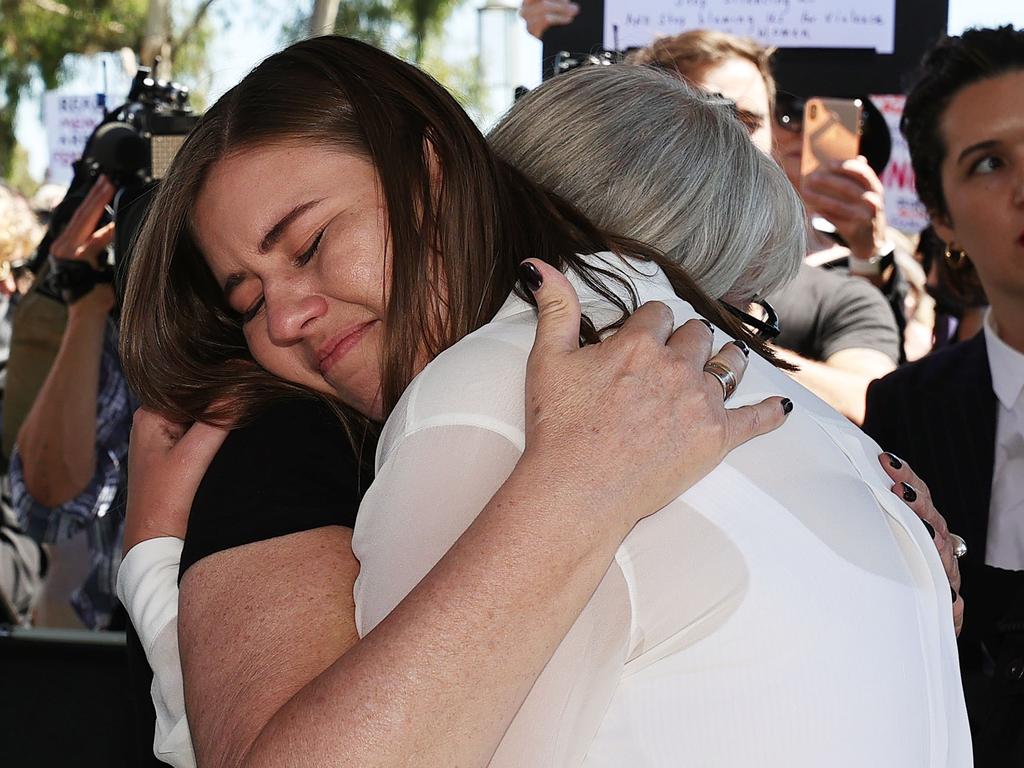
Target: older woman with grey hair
[649,157]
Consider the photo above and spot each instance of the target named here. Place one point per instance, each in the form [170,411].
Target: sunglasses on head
[765,327]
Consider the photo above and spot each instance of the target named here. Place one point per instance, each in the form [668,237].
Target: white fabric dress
[786,612]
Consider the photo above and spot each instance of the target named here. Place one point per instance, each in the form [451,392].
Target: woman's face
[296,237]
[983,182]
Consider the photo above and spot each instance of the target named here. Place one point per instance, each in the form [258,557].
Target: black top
[292,469]
[940,414]
[823,312]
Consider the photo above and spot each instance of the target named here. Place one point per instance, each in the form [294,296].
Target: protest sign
[70,120]
[902,208]
[783,23]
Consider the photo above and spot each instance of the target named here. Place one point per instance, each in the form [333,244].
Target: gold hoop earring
[956,257]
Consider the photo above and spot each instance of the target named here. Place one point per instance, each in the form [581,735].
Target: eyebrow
[274,233]
[270,239]
[975,147]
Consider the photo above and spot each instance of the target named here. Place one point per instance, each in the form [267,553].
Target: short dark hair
[688,53]
[950,66]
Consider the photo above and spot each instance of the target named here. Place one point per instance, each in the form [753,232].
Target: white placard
[782,23]
[70,120]
[903,210]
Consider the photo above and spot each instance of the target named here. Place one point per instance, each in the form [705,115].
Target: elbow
[52,486]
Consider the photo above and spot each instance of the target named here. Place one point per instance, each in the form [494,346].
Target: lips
[340,345]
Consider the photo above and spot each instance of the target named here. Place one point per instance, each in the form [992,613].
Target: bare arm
[841,381]
[257,623]
[438,681]
[57,441]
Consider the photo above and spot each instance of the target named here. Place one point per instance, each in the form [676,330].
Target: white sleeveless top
[788,611]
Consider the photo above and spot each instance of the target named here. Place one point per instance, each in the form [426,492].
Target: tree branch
[193,25]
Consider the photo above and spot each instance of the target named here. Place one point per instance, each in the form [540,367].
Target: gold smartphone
[831,132]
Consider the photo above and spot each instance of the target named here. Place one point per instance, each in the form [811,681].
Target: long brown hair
[182,347]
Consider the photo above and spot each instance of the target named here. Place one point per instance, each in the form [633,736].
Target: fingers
[734,357]
[958,614]
[84,220]
[543,14]
[833,182]
[859,171]
[693,340]
[558,307]
[150,429]
[750,421]
[199,445]
[96,244]
[915,492]
[651,320]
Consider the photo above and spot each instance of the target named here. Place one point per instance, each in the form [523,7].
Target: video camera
[133,146]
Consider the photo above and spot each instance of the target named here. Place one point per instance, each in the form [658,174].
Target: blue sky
[255,33]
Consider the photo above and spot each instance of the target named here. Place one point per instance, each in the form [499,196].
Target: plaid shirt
[99,509]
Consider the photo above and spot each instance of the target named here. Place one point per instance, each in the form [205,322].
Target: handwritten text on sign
[902,208]
[782,23]
[70,120]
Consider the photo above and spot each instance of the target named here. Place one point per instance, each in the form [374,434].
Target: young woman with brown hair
[367,242]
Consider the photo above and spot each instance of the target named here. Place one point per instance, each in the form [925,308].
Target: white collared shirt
[1005,545]
[788,611]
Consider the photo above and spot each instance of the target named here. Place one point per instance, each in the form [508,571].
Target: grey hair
[645,156]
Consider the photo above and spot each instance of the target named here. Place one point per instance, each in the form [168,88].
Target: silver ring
[959,546]
[725,377]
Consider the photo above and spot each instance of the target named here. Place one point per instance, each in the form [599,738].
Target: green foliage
[402,27]
[36,35]
[424,18]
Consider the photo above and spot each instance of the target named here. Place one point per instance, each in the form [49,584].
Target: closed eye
[306,256]
[254,310]
[301,260]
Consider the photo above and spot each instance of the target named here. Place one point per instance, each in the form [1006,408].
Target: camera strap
[73,279]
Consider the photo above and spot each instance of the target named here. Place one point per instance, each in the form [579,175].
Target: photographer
[67,467]
[22,560]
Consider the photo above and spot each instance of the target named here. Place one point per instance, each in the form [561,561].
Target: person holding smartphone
[837,329]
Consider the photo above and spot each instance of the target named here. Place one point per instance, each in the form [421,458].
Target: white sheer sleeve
[147,584]
[430,487]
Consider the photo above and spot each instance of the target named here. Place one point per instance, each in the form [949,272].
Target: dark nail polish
[928,527]
[787,405]
[711,328]
[894,460]
[954,593]
[530,277]
[909,494]
[743,347]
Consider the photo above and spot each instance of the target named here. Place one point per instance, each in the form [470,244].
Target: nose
[292,312]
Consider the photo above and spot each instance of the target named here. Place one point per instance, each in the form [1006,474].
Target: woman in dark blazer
[957,415]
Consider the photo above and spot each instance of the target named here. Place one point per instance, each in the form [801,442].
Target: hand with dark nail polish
[909,494]
[530,277]
[894,460]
